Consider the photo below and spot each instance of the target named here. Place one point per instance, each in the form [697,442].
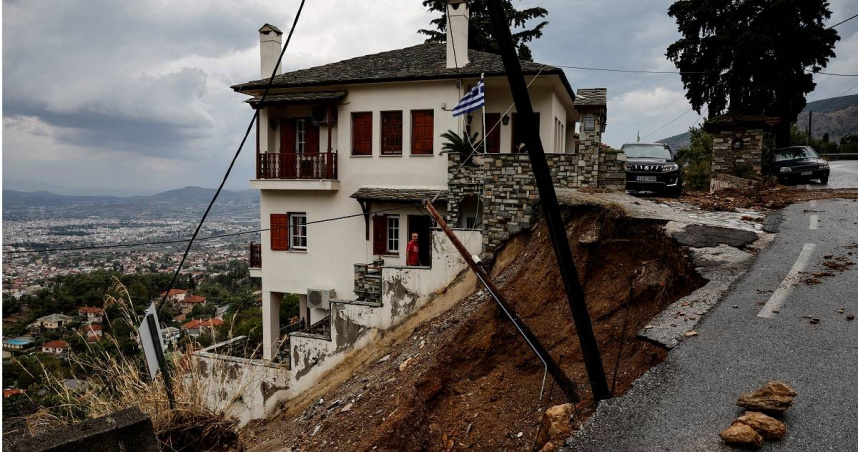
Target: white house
[346,153]
[92,314]
[363,135]
[55,347]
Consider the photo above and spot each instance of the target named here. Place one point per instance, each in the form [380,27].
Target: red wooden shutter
[391,133]
[422,131]
[379,235]
[279,231]
[362,133]
[311,137]
[287,136]
[493,137]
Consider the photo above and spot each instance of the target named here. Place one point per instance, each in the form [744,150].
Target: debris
[346,408]
[736,306]
[691,333]
[422,344]
[768,427]
[316,430]
[742,435]
[520,434]
[850,317]
[555,424]
[776,311]
[405,364]
[648,327]
[774,398]
[814,321]
[841,311]
[384,359]
[548,447]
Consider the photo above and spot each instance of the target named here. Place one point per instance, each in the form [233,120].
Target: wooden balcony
[297,166]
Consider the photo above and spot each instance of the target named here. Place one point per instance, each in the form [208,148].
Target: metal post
[574,291]
[566,385]
[162,363]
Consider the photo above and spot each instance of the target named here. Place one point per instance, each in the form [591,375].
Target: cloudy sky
[133,96]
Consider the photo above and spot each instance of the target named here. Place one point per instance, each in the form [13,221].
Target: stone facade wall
[745,162]
[589,146]
[612,170]
[367,283]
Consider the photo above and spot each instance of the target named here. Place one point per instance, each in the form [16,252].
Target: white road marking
[814,222]
[812,203]
[776,301]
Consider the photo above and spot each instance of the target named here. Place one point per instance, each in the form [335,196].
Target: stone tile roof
[298,98]
[398,194]
[269,27]
[420,62]
[739,120]
[592,96]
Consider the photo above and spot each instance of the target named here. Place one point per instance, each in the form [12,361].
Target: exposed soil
[467,380]
[768,195]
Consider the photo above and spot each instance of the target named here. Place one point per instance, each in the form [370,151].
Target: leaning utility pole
[551,367]
[574,291]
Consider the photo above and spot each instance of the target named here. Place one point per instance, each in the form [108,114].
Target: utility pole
[551,367]
[574,291]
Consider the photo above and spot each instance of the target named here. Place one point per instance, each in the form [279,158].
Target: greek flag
[474,99]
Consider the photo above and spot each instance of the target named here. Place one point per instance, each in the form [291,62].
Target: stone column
[270,323]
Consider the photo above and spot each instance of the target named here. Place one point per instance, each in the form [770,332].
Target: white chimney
[270,45]
[457,33]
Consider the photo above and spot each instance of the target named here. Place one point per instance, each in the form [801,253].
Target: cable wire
[669,122]
[235,157]
[818,110]
[210,237]
[842,21]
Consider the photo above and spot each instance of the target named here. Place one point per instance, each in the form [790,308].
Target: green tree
[750,56]
[696,160]
[480,26]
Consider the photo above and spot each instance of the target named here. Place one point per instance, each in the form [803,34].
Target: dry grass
[115,382]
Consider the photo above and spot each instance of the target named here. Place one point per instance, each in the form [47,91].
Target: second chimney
[457,34]
[270,46]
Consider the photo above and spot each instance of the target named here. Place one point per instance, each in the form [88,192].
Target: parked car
[652,167]
[798,163]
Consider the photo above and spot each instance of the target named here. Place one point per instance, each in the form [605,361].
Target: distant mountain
[188,200]
[837,116]
[32,186]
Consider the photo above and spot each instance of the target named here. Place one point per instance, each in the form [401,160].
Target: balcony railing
[307,165]
[255,255]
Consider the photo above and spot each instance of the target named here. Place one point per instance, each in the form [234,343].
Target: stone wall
[367,283]
[612,170]
[745,162]
[508,190]
[589,146]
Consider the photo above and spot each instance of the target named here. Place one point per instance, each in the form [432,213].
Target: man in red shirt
[412,252]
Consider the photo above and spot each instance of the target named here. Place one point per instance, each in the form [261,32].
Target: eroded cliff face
[467,379]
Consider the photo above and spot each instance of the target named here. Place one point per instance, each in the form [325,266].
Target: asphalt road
[844,174]
[684,403]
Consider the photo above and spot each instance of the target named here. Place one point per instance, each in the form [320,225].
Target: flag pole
[482,75]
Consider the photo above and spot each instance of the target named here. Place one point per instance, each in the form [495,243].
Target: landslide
[467,380]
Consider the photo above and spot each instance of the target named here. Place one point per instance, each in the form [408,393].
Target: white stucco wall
[404,291]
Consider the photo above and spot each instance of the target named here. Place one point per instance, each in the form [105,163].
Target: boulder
[556,425]
[774,398]
[768,427]
[405,364]
[743,436]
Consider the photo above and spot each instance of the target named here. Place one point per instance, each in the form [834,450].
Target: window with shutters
[279,232]
[391,133]
[518,133]
[392,234]
[422,132]
[493,127]
[362,133]
[298,235]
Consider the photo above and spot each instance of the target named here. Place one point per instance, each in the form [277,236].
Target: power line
[235,157]
[639,71]
[835,98]
[842,21]
[831,73]
[669,122]
[210,237]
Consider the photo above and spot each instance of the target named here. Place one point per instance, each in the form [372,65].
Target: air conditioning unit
[320,116]
[320,298]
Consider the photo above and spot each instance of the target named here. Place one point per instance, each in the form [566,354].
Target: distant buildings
[18,343]
[55,347]
[175,295]
[53,322]
[186,305]
[195,327]
[94,332]
[92,314]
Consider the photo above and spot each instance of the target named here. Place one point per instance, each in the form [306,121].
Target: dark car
[798,163]
[652,167]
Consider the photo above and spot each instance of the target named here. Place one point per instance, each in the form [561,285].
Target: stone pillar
[270,323]
[738,151]
[589,148]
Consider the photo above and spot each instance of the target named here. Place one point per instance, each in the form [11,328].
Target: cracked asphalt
[685,402]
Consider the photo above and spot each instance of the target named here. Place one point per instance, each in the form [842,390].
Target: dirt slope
[466,380]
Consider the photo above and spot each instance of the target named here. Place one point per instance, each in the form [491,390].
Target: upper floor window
[362,133]
[391,133]
[298,236]
[300,135]
[422,132]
